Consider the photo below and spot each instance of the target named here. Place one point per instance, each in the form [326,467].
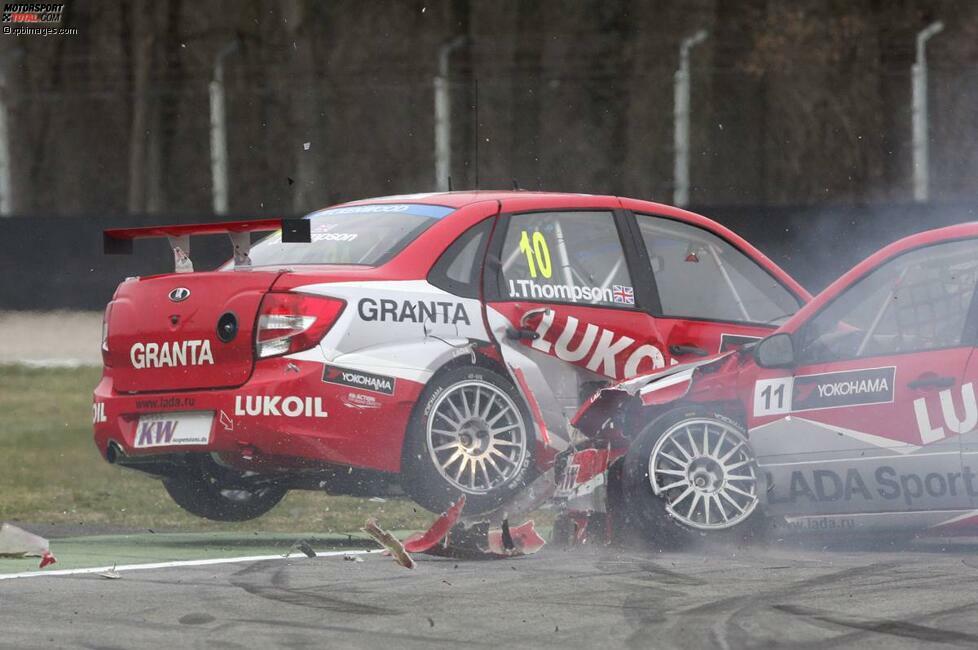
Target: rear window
[366,235]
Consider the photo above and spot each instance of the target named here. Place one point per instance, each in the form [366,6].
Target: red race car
[436,343]
[858,413]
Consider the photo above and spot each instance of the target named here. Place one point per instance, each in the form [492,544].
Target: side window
[700,275]
[915,302]
[567,257]
[459,268]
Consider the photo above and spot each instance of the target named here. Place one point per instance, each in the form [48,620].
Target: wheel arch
[479,358]
[630,415]
[653,511]
[416,471]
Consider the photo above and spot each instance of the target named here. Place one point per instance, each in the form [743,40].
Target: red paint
[368,438]
[421,542]
[590,463]
[141,313]
[729,386]
[177,230]
[534,407]
[526,540]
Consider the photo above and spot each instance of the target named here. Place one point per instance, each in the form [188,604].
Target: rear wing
[118,241]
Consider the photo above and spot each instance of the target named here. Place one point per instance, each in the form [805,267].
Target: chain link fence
[299,142]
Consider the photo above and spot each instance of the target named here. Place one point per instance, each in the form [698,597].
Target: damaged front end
[582,485]
[586,494]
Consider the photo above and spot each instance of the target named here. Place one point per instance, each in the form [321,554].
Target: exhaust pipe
[113,452]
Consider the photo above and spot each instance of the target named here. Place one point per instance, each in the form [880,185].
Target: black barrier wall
[57,262]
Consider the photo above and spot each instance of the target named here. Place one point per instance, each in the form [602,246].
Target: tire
[469,425]
[668,510]
[201,494]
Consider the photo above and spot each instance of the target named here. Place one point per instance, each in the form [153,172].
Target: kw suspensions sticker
[824,391]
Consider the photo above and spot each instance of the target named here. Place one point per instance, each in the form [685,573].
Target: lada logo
[179,294]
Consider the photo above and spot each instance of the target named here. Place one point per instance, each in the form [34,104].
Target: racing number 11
[537,255]
[773,396]
[778,395]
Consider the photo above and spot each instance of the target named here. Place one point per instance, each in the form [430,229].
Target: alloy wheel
[477,437]
[705,471]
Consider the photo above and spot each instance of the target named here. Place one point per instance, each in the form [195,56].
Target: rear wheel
[691,474]
[471,435]
[214,495]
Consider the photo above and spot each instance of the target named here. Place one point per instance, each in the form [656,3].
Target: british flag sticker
[623,294]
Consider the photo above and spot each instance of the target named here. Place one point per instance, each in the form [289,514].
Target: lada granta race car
[859,413]
[436,344]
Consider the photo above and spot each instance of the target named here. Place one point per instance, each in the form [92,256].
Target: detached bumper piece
[448,538]
[18,543]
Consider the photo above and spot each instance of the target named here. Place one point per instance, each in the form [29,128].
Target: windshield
[367,235]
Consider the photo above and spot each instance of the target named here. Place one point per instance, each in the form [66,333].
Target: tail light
[292,322]
[105,333]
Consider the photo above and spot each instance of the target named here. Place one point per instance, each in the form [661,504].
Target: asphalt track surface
[776,595]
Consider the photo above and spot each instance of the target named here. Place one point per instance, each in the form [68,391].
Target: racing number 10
[537,255]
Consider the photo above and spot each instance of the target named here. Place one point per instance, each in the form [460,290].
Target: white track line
[170,565]
[52,363]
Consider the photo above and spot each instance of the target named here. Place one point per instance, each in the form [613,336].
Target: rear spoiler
[118,241]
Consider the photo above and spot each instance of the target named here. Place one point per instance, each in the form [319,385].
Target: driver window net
[915,302]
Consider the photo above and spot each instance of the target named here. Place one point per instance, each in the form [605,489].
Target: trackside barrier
[57,262]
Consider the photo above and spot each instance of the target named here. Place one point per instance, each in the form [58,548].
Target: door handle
[931,381]
[523,332]
[520,333]
[688,349]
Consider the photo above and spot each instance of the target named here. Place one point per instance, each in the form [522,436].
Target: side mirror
[776,351]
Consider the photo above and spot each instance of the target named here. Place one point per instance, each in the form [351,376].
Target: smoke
[815,245]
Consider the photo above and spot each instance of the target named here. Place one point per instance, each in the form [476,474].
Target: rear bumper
[284,416]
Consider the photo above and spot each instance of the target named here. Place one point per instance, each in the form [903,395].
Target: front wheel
[470,434]
[689,474]
[209,495]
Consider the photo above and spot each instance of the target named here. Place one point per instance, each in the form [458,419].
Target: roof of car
[928,237]
[521,200]
[462,198]
[527,200]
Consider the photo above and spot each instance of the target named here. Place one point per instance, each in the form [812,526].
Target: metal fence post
[219,132]
[6,188]
[443,115]
[680,192]
[921,125]
[6,182]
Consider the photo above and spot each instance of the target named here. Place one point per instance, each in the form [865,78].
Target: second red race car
[859,413]
[437,343]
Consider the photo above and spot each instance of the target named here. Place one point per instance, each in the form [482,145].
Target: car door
[563,306]
[711,296]
[868,421]
[957,409]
